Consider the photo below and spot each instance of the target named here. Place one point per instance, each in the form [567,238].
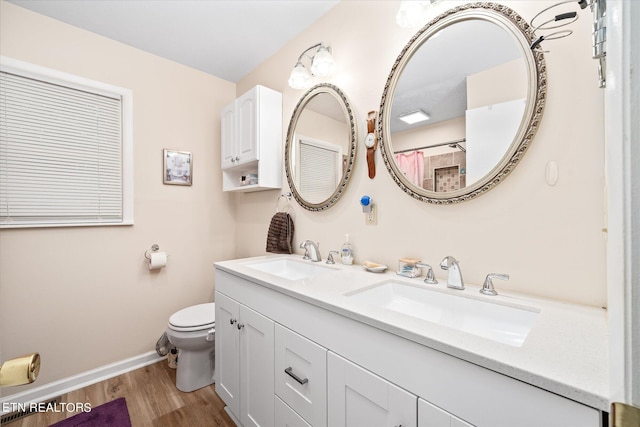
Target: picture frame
[177,167]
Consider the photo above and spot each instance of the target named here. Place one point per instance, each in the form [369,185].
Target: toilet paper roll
[158,260]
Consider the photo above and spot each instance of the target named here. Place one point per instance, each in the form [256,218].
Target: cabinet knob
[233,160]
[232,321]
[237,158]
[240,325]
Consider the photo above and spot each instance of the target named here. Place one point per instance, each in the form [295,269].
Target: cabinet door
[247,127]
[228,136]
[358,398]
[256,369]
[227,347]
[431,416]
[301,375]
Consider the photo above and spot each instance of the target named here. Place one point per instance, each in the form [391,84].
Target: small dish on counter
[374,267]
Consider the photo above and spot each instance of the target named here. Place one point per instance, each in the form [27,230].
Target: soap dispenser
[347,251]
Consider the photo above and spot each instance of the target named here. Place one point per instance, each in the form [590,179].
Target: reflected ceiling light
[322,65]
[414,117]
[413,13]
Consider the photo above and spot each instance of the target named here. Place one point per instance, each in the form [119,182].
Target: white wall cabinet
[251,141]
[244,362]
[358,397]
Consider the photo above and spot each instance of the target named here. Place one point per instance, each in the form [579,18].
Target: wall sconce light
[322,65]
[413,13]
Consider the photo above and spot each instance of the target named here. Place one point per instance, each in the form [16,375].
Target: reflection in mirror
[320,148]
[461,104]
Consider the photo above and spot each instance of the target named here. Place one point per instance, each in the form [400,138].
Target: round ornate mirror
[321,147]
[462,103]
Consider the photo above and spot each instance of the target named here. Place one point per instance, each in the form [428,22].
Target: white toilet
[192,331]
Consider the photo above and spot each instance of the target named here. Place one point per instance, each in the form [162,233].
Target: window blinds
[60,154]
[318,171]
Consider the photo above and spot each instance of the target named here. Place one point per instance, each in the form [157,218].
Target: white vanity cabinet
[251,141]
[358,397]
[244,362]
[373,376]
[301,375]
[431,416]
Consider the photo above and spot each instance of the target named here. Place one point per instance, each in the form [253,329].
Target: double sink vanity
[306,343]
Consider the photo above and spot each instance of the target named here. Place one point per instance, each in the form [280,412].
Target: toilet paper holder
[154,248]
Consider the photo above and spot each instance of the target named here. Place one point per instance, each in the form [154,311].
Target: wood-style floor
[152,399]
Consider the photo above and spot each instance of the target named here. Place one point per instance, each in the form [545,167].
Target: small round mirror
[321,147]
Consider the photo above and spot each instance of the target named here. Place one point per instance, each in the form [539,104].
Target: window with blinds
[62,151]
[320,169]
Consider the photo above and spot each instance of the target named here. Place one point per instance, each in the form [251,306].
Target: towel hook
[154,248]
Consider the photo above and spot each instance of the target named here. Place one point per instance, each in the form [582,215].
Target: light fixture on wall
[414,117]
[413,13]
[322,65]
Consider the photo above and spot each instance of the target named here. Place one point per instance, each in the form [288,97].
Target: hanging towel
[280,235]
[412,165]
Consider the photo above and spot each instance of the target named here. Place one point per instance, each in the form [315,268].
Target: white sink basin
[499,322]
[290,269]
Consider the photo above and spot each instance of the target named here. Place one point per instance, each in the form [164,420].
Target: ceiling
[225,38]
[434,80]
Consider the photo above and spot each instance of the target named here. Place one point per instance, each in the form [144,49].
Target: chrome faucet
[454,277]
[487,288]
[311,251]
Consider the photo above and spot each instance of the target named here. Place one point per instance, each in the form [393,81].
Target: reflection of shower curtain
[412,165]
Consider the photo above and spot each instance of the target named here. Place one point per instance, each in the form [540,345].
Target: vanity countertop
[566,351]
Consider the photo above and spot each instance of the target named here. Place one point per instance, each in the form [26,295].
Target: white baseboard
[233,417]
[65,385]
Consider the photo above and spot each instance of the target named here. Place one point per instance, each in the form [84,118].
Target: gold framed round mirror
[462,103]
[321,147]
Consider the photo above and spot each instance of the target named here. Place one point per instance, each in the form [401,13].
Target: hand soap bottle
[347,251]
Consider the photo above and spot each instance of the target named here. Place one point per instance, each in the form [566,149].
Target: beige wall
[482,89]
[450,130]
[58,295]
[549,239]
[83,297]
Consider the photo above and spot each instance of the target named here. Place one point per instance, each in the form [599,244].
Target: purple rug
[113,413]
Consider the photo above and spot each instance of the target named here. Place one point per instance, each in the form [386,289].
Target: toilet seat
[194,318]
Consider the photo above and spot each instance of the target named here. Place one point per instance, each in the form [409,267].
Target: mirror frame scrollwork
[537,81]
[349,115]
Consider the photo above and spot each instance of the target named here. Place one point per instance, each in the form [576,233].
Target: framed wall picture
[177,167]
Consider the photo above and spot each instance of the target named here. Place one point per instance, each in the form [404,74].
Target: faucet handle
[487,287]
[304,246]
[430,277]
[330,257]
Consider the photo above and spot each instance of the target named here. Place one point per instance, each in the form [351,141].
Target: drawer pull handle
[289,371]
